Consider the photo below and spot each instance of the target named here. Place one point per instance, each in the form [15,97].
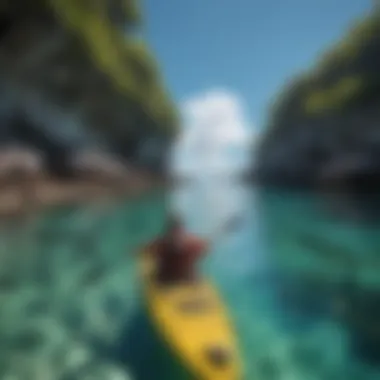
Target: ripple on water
[93,296]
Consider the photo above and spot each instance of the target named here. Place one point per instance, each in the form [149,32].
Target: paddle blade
[233,223]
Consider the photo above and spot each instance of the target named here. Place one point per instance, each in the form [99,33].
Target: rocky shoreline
[27,185]
[34,195]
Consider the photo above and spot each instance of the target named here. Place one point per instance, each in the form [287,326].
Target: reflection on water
[327,272]
[302,287]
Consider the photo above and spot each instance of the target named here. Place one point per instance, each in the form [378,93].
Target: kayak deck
[192,320]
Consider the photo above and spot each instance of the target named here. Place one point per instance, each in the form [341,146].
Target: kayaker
[177,252]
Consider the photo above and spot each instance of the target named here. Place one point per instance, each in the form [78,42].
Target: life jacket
[175,260]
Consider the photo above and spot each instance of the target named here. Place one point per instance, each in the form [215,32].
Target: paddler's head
[174,225]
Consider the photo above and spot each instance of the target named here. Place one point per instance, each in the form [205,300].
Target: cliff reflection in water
[325,256]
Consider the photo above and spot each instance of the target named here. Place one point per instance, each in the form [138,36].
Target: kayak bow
[192,321]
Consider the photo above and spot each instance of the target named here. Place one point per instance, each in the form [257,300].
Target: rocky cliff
[324,127]
[73,74]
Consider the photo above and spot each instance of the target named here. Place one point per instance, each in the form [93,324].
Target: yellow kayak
[192,321]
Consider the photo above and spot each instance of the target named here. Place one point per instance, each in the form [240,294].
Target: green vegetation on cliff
[321,114]
[126,60]
[343,75]
[84,58]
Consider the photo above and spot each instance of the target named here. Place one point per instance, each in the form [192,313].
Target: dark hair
[174,222]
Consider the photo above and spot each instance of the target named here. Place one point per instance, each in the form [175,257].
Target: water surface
[298,283]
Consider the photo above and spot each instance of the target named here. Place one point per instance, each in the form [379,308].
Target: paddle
[229,225]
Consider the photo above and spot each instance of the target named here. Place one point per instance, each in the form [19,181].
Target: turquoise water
[70,305]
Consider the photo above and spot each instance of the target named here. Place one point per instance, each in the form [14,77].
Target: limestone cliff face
[324,128]
[73,74]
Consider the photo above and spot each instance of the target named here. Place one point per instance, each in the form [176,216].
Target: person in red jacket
[177,253]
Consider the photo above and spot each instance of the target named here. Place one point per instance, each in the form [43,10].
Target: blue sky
[248,48]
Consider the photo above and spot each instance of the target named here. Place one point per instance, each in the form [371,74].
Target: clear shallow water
[282,275]
[70,306]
